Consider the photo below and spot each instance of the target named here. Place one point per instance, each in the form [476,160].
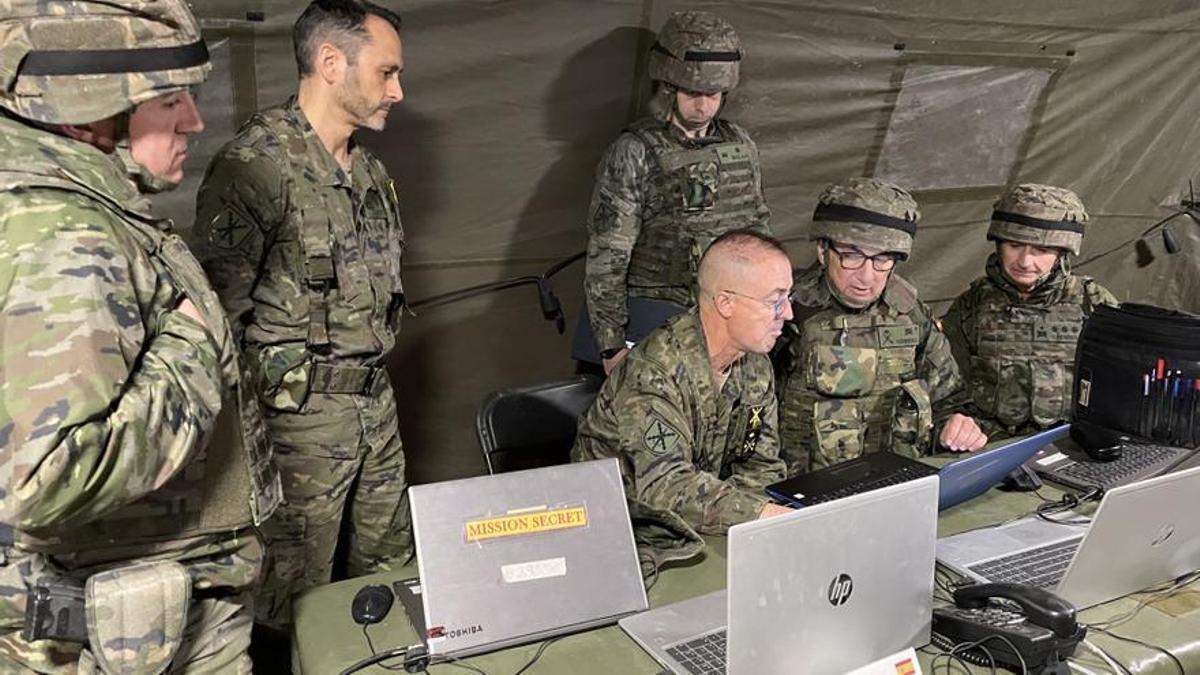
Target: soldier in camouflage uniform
[299,228]
[1014,330]
[133,458]
[691,414]
[863,366]
[672,182]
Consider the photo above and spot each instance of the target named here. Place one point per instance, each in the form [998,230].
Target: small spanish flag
[905,667]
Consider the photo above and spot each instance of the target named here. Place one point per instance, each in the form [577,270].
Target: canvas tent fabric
[509,105]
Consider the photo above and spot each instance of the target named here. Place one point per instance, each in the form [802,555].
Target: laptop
[498,555]
[823,590]
[1143,534]
[961,480]
[1069,465]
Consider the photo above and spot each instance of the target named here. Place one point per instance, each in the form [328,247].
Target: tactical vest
[1023,361]
[230,483]
[851,385]
[699,192]
[343,289]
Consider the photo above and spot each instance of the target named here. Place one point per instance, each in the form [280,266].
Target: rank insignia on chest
[753,430]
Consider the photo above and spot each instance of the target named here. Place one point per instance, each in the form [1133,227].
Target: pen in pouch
[1160,383]
[1175,409]
[1194,432]
[1143,422]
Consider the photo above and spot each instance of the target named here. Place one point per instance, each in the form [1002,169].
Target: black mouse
[371,604]
[1104,454]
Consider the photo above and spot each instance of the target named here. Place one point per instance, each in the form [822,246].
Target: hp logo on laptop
[840,589]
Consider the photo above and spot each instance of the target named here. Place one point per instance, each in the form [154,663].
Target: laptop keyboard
[901,475]
[703,655]
[1135,461]
[1043,566]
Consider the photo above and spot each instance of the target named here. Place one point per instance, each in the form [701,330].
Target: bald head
[745,279]
[735,257]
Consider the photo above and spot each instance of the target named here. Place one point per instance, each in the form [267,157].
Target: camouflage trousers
[341,460]
[216,640]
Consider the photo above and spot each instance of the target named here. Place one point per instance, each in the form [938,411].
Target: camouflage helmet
[867,212]
[1042,215]
[87,60]
[697,51]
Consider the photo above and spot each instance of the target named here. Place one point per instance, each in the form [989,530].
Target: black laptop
[959,481]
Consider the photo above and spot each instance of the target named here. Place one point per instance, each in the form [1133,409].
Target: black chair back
[533,426]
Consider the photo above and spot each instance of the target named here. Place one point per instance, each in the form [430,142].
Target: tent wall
[510,104]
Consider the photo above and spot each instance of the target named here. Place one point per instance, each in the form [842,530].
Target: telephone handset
[1039,625]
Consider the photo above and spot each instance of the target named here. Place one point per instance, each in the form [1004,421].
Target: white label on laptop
[1051,459]
[534,570]
[798,495]
[900,663]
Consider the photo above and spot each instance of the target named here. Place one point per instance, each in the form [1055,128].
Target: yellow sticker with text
[517,524]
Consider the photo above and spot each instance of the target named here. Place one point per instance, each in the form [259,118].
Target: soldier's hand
[187,307]
[962,434]
[770,510]
[611,364]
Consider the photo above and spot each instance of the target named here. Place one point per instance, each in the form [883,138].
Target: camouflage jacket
[854,381]
[1017,353]
[660,199]
[305,257]
[123,430]
[693,459]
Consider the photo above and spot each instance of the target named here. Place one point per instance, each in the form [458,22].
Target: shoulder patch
[659,437]
[229,231]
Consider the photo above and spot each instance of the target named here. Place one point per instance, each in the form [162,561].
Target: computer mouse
[371,604]
[1105,453]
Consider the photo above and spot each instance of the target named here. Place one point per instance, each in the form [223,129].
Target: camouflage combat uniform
[876,378]
[645,238]
[855,381]
[661,198]
[132,456]
[1017,351]
[694,460]
[306,260]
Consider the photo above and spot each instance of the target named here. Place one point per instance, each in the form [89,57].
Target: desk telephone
[1040,625]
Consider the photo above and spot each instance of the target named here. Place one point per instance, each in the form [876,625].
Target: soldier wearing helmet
[671,183]
[299,227]
[863,366]
[134,465]
[1014,329]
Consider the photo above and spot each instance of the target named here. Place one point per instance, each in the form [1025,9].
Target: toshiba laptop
[1142,534]
[961,480]
[826,589]
[517,557]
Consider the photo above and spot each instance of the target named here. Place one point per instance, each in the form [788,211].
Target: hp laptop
[961,480]
[1143,534]
[823,590]
[1067,464]
[499,554]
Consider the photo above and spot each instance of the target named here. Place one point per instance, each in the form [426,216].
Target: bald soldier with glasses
[862,366]
[691,412]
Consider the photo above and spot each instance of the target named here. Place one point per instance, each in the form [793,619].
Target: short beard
[350,98]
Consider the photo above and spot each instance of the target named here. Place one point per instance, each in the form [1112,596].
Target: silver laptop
[1143,534]
[826,589]
[499,554]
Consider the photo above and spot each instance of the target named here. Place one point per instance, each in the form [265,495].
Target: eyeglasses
[854,259]
[777,306]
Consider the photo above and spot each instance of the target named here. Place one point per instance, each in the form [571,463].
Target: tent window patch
[959,127]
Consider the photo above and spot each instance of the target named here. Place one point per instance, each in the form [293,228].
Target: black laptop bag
[1137,377]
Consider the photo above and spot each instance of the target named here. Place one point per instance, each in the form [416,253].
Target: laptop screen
[497,554]
[835,585]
